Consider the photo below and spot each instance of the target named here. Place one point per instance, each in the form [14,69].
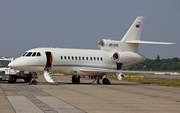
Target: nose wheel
[34,82]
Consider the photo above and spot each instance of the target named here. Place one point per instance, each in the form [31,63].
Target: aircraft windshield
[31,54]
[4,63]
[24,54]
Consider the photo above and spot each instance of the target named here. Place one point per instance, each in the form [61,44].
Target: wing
[102,70]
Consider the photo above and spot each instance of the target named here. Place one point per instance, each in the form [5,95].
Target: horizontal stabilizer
[147,42]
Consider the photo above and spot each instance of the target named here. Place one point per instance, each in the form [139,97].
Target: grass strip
[159,81]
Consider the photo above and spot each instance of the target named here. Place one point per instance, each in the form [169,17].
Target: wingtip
[170,43]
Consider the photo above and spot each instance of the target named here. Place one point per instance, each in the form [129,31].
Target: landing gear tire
[106,81]
[75,79]
[34,82]
[33,79]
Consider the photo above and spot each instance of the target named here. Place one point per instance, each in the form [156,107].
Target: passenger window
[34,54]
[76,57]
[90,58]
[65,57]
[83,58]
[101,58]
[38,54]
[94,58]
[61,57]
[72,58]
[86,58]
[79,58]
[98,58]
[68,57]
[29,54]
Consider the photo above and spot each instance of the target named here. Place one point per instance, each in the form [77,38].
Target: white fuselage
[113,56]
[68,61]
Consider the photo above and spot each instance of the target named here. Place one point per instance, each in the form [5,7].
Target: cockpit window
[29,54]
[38,54]
[24,53]
[34,54]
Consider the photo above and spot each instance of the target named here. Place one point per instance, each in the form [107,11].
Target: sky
[27,24]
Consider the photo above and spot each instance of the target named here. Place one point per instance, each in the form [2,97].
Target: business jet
[114,56]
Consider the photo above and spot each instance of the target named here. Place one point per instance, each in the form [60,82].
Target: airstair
[48,75]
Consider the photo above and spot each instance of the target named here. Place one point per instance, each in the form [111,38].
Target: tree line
[158,64]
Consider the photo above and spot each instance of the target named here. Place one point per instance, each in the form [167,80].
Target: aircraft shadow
[5,82]
[68,83]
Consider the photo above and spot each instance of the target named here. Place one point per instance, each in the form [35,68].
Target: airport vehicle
[114,57]
[11,75]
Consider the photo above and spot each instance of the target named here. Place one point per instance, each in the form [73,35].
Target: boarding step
[50,77]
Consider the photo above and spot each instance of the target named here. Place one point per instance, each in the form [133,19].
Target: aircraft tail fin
[131,40]
[132,37]
[134,32]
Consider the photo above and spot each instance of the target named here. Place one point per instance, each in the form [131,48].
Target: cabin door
[49,59]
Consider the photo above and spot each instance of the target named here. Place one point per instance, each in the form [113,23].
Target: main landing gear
[105,80]
[75,79]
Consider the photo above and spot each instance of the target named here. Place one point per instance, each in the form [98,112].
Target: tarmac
[87,97]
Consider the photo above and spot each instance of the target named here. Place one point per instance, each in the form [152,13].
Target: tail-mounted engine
[123,57]
[120,76]
[107,45]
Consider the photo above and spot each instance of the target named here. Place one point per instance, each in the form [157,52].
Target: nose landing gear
[33,80]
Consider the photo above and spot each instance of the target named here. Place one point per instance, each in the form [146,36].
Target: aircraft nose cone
[18,64]
[15,64]
[12,64]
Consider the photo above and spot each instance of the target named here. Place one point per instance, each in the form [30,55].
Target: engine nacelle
[120,76]
[123,57]
[108,45]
